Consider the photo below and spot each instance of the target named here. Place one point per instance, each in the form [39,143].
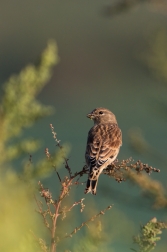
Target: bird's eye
[101,113]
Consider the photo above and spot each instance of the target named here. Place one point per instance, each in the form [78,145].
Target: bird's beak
[90,116]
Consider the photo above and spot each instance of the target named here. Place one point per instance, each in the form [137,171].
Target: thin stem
[86,222]
[53,243]
[57,207]
[57,173]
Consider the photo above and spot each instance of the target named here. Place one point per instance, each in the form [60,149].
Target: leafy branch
[149,235]
[19,108]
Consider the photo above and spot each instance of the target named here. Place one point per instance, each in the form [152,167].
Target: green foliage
[20,109]
[149,235]
[17,215]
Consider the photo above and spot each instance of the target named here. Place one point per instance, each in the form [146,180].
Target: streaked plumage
[103,144]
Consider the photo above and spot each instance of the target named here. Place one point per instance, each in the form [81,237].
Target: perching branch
[56,209]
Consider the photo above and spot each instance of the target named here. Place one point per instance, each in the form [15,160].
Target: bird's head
[102,115]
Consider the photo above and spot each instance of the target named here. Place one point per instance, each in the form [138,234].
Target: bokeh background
[111,55]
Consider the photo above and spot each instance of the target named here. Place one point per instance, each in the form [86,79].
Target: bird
[103,144]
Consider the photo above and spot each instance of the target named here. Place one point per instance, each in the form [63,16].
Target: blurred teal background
[99,65]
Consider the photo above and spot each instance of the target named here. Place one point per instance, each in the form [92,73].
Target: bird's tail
[92,181]
[91,186]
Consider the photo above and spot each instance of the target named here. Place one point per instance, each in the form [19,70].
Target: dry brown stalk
[55,209]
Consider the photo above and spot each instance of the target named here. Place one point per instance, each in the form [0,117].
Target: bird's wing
[104,141]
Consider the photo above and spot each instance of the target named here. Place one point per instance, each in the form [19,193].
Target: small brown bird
[103,144]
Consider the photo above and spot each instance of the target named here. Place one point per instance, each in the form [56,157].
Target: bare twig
[60,146]
[86,222]
[116,170]
[40,242]
[43,213]
[49,157]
